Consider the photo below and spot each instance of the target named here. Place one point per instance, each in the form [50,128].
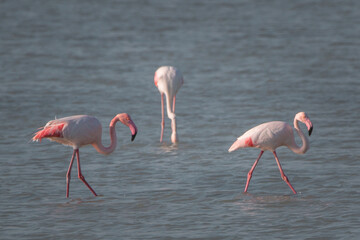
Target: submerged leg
[69,173]
[80,176]
[249,175]
[162,117]
[283,176]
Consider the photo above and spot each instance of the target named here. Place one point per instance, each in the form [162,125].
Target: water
[244,63]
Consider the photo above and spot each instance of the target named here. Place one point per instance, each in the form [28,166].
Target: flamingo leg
[69,173]
[162,117]
[249,175]
[283,176]
[80,176]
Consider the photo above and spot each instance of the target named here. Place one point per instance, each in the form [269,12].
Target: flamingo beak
[133,137]
[133,130]
[309,126]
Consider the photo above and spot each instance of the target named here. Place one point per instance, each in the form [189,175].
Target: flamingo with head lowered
[168,80]
[80,130]
[271,135]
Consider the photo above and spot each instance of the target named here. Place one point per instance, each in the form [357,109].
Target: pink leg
[68,174]
[174,100]
[282,173]
[162,117]
[80,176]
[249,175]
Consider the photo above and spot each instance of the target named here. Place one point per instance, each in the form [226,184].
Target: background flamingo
[80,130]
[271,135]
[168,80]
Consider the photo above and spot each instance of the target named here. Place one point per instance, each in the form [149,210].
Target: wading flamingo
[168,80]
[271,135]
[80,130]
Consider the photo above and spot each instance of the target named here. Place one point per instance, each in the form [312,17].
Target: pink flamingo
[168,80]
[271,135]
[80,130]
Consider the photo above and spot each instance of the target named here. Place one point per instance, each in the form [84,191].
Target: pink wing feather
[155,80]
[241,143]
[51,130]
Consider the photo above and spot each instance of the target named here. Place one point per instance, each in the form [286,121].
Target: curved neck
[107,150]
[170,108]
[174,136]
[170,105]
[305,142]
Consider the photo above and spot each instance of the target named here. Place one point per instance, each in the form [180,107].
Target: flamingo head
[125,119]
[303,117]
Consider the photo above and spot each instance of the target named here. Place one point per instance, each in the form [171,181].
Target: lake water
[244,63]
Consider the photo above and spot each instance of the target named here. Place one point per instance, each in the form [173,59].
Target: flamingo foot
[82,178]
[248,181]
[249,175]
[285,178]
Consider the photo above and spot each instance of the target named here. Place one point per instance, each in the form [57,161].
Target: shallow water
[244,63]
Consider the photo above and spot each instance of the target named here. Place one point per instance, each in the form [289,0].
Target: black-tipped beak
[310,130]
[133,130]
[133,136]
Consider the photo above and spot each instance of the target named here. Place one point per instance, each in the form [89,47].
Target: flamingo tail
[241,143]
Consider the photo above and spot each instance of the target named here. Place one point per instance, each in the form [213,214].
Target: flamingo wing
[245,140]
[51,129]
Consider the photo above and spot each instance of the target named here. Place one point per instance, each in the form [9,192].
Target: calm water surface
[244,63]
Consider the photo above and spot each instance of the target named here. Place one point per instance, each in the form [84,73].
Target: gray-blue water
[244,63]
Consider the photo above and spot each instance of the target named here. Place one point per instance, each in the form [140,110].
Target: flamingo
[168,80]
[271,135]
[81,130]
